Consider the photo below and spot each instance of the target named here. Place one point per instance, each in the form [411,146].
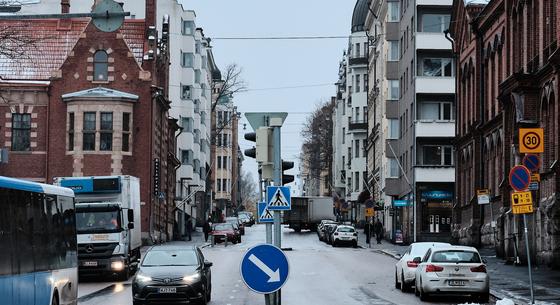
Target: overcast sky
[278,63]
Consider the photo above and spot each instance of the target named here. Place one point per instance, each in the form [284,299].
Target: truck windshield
[98,221]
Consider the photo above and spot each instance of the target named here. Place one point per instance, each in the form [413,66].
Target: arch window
[100,66]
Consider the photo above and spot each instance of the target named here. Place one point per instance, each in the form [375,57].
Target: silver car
[452,270]
[405,268]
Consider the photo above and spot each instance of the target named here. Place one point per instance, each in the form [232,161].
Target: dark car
[236,223]
[173,274]
[222,230]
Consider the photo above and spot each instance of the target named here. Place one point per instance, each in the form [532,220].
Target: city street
[319,274]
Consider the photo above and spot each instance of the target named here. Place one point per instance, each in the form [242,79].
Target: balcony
[435,85]
[423,173]
[358,125]
[358,60]
[434,2]
[435,129]
[432,41]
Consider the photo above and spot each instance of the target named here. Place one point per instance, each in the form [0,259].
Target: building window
[203,117]
[393,13]
[357,88]
[357,182]
[106,132]
[187,60]
[204,62]
[343,135]
[357,50]
[186,92]
[393,54]
[71,129]
[224,185]
[436,155]
[196,106]
[126,132]
[197,76]
[392,168]
[394,129]
[437,111]
[100,66]
[187,124]
[196,137]
[203,90]
[21,131]
[393,90]
[357,149]
[197,47]
[187,157]
[435,23]
[437,67]
[89,131]
[188,27]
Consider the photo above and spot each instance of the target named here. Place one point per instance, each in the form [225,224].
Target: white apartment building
[350,119]
[190,84]
[414,92]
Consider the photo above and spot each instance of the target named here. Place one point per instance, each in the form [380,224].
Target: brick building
[81,102]
[508,78]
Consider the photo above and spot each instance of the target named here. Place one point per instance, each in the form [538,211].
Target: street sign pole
[528,258]
[278,182]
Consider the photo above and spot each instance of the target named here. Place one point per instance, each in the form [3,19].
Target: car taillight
[480,268]
[433,268]
[336,233]
[412,264]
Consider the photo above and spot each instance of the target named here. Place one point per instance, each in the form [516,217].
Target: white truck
[107,224]
[307,212]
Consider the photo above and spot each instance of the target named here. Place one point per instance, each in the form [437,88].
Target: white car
[405,268]
[452,270]
[344,235]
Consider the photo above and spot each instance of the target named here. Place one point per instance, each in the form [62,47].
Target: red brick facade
[130,95]
[507,62]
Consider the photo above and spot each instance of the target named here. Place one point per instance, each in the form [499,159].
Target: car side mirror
[208,264]
[417,260]
[130,225]
[130,215]
[485,261]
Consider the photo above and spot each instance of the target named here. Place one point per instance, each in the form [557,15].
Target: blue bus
[38,249]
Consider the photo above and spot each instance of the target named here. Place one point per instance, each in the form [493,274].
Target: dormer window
[100,66]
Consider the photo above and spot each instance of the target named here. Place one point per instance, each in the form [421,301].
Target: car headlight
[192,278]
[117,266]
[143,278]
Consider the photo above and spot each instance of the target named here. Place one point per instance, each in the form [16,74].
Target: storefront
[436,209]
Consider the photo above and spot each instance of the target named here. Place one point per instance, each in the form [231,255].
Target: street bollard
[212,240]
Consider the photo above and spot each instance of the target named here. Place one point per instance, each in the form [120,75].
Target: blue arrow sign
[264,268]
[278,198]
[265,215]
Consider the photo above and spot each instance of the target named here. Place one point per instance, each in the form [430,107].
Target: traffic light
[286,165]
[251,152]
[263,141]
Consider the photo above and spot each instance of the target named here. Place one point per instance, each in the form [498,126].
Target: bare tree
[15,43]
[247,190]
[231,84]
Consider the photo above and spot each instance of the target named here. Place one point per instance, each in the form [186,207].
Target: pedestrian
[367,231]
[378,231]
[189,227]
[207,228]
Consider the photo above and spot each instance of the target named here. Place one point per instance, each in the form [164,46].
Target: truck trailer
[107,224]
[307,212]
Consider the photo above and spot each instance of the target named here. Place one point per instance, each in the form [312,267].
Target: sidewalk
[385,247]
[197,239]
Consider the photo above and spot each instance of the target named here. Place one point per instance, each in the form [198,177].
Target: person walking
[367,231]
[207,228]
[378,227]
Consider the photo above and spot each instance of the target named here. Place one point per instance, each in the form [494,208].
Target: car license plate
[456,283]
[90,264]
[168,290]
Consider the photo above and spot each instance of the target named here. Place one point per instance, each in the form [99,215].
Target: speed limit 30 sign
[531,140]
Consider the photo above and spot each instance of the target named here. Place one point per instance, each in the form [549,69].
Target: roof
[100,93]
[41,46]
[359,15]
[29,186]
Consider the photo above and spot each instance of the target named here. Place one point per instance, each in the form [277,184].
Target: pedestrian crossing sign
[278,198]
[265,215]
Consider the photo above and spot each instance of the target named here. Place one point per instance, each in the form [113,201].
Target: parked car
[173,274]
[246,219]
[237,223]
[321,225]
[405,268]
[344,235]
[323,235]
[220,231]
[328,232]
[452,270]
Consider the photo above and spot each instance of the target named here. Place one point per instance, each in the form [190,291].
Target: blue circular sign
[264,268]
[519,178]
[532,162]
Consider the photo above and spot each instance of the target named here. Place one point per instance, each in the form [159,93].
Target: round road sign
[519,178]
[532,162]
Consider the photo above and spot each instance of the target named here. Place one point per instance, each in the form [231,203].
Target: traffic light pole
[276,140]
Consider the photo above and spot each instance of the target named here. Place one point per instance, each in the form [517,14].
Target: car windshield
[455,256]
[98,221]
[170,258]
[223,227]
[346,229]
[244,216]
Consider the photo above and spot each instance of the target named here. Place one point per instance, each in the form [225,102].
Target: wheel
[404,285]
[209,294]
[234,241]
[397,285]
[136,303]
[54,300]
[416,289]
[423,296]
[355,245]
[204,299]
[483,298]
[239,239]
[333,243]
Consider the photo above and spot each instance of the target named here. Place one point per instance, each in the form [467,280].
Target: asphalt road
[319,274]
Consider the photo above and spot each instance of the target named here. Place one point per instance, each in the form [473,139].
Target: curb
[381,251]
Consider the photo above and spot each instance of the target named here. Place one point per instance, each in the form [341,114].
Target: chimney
[65,6]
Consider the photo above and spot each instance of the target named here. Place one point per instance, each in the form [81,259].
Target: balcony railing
[358,59]
[358,124]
